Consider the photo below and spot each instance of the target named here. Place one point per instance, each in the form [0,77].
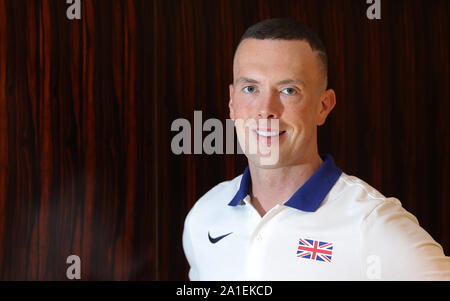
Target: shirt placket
[254,265]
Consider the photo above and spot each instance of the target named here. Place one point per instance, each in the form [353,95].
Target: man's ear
[230,103]
[327,103]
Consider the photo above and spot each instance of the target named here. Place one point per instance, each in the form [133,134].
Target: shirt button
[259,238]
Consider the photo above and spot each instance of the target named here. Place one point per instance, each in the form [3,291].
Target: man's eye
[249,89]
[289,91]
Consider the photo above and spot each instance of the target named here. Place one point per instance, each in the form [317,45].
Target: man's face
[279,80]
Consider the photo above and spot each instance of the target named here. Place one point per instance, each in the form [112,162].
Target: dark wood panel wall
[86,108]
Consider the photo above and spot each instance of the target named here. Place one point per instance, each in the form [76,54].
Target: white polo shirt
[334,227]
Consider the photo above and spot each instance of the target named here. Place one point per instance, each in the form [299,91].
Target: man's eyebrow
[246,80]
[291,81]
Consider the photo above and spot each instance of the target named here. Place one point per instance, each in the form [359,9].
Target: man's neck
[275,186]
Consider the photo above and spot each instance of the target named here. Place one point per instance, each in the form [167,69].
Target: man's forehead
[277,60]
[253,47]
[286,53]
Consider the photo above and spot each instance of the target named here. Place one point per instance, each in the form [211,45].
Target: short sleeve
[395,247]
[189,250]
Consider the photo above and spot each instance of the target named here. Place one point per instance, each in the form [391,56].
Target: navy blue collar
[310,195]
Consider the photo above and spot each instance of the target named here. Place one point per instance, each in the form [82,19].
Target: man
[300,217]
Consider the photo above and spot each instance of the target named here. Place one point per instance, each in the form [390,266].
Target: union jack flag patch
[315,250]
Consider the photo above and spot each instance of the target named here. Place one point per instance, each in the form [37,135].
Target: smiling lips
[269,133]
[268,136]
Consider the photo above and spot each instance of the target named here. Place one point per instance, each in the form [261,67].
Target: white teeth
[267,134]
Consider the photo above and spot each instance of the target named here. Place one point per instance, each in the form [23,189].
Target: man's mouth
[269,133]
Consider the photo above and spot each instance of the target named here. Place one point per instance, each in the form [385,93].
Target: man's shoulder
[357,196]
[387,228]
[218,196]
[358,188]
[222,192]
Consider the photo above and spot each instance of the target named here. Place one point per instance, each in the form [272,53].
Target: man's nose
[269,106]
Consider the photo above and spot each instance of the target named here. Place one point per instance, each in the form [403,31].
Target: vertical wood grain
[86,108]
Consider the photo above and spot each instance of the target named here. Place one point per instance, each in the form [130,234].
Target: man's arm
[189,249]
[392,238]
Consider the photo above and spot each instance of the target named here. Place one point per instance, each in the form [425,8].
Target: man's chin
[267,161]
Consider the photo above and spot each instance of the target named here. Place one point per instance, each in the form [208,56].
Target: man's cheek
[242,110]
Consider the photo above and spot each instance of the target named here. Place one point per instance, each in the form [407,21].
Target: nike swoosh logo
[216,239]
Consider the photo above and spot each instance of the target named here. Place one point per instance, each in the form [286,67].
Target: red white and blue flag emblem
[315,250]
